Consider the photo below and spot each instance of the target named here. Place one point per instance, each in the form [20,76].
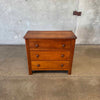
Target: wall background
[88,25]
[18,16]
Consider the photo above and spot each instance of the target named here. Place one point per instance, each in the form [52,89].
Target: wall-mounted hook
[77,13]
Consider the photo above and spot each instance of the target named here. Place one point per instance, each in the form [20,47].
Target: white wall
[19,16]
[88,25]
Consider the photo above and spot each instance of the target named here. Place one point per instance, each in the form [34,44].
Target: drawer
[49,44]
[50,55]
[51,65]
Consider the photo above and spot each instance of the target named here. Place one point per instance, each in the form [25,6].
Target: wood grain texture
[49,44]
[50,50]
[72,54]
[28,57]
[50,55]
[61,65]
[50,35]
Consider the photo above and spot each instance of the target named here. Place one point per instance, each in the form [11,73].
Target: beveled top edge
[50,35]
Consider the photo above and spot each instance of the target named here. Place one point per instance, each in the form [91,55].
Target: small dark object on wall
[77,13]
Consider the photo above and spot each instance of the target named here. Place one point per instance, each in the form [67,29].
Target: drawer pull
[62,55]
[38,65]
[37,55]
[62,65]
[36,45]
[63,45]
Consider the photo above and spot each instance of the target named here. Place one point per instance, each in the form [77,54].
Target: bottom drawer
[50,65]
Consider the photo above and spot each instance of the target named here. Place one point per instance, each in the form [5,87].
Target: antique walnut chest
[50,50]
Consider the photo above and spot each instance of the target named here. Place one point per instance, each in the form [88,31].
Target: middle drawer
[50,55]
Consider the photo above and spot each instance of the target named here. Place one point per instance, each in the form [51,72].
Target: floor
[83,84]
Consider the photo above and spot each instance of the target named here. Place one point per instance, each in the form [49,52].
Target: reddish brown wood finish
[61,65]
[50,55]
[28,56]
[72,54]
[50,35]
[49,44]
[50,50]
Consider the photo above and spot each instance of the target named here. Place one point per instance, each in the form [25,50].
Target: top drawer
[49,44]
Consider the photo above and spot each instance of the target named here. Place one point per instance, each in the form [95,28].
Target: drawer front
[51,65]
[50,55]
[49,44]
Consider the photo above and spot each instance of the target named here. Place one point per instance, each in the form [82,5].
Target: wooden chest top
[50,35]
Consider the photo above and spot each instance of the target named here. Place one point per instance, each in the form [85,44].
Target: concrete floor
[83,84]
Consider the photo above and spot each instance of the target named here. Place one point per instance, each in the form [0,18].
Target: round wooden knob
[37,55]
[62,55]
[38,65]
[63,45]
[62,65]
[37,45]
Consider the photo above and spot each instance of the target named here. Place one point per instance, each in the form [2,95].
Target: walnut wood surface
[49,44]
[72,54]
[50,55]
[28,57]
[50,35]
[50,64]
[50,50]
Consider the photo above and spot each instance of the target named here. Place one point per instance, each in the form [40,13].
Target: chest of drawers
[50,50]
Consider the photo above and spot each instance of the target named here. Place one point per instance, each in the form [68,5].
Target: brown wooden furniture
[50,50]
